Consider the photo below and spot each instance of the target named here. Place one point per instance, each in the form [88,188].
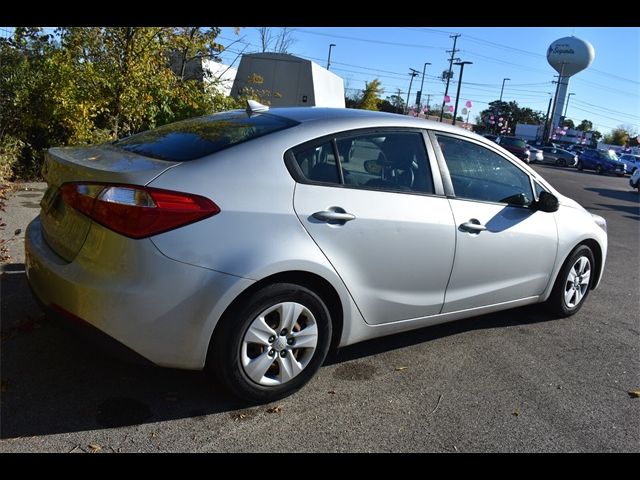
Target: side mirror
[547,202]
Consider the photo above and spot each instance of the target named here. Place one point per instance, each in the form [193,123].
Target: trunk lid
[65,229]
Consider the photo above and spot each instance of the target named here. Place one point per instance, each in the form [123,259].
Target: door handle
[472,226]
[334,215]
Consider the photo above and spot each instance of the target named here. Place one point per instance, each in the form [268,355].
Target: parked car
[631,161]
[560,157]
[251,241]
[634,181]
[516,146]
[602,161]
[577,148]
[490,137]
[535,154]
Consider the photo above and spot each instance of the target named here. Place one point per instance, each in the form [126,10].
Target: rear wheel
[599,169]
[573,283]
[273,344]
[562,162]
[579,166]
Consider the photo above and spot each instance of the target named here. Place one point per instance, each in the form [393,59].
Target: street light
[567,105]
[502,89]
[422,85]
[455,110]
[329,58]
[413,73]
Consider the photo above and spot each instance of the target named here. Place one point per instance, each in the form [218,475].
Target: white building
[289,81]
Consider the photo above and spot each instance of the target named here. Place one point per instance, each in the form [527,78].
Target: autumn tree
[371,95]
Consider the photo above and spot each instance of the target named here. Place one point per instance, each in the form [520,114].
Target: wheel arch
[312,281]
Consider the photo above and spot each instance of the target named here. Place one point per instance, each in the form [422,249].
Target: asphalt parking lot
[516,381]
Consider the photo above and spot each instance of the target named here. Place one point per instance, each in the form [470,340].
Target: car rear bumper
[161,309]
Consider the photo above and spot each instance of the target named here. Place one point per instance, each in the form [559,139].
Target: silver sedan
[253,241]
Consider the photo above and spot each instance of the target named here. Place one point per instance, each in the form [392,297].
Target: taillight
[134,211]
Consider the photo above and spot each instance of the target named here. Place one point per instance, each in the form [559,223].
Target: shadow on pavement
[626,195]
[52,384]
[507,318]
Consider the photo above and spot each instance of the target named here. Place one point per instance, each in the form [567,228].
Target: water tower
[568,56]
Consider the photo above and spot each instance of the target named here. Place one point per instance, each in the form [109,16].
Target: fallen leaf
[401,368]
[516,413]
[94,447]
[276,409]
[239,417]
[634,394]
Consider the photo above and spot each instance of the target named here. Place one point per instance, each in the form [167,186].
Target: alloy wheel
[577,282]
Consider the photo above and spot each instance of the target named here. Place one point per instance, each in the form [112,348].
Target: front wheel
[273,344]
[573,283]
[579,166]
[599,169]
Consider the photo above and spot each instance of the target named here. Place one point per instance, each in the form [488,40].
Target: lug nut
[291,341]
[283,353]
[272,339]
[283,332]
[271,353]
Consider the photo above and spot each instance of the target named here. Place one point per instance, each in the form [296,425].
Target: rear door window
[384,160]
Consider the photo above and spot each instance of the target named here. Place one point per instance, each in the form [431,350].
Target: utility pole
[555,101]
[502,89]
[329,57]
[453,53]
[414,73]
[546,121]
[566,107]
[428,111]
[455,110]
[422,86]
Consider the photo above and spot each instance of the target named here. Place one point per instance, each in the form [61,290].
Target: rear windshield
[199,137]
[513,142]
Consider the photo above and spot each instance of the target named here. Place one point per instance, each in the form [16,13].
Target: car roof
[356,118]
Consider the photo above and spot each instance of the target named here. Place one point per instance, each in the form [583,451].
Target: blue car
[602,161]
[631,161]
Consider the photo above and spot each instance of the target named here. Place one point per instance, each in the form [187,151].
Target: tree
[621,135]
[93,84]
[568,123]
[512,114]
[270,41]
[585,126]
[371,95]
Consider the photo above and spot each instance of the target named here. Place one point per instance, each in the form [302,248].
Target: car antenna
[255,107]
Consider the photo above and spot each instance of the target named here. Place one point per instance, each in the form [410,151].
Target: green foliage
[95,84]
[371,95]
[568,123]
[512,113]
[621,135]
[585,126]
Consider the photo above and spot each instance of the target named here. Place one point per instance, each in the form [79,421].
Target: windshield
[513,142]
[199,137]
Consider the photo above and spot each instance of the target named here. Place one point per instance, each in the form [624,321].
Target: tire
[562,302]
[579,166]
[562,162]
[599,169]
[247,353]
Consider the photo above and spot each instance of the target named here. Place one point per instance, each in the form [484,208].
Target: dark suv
[515,145]
[602,161]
